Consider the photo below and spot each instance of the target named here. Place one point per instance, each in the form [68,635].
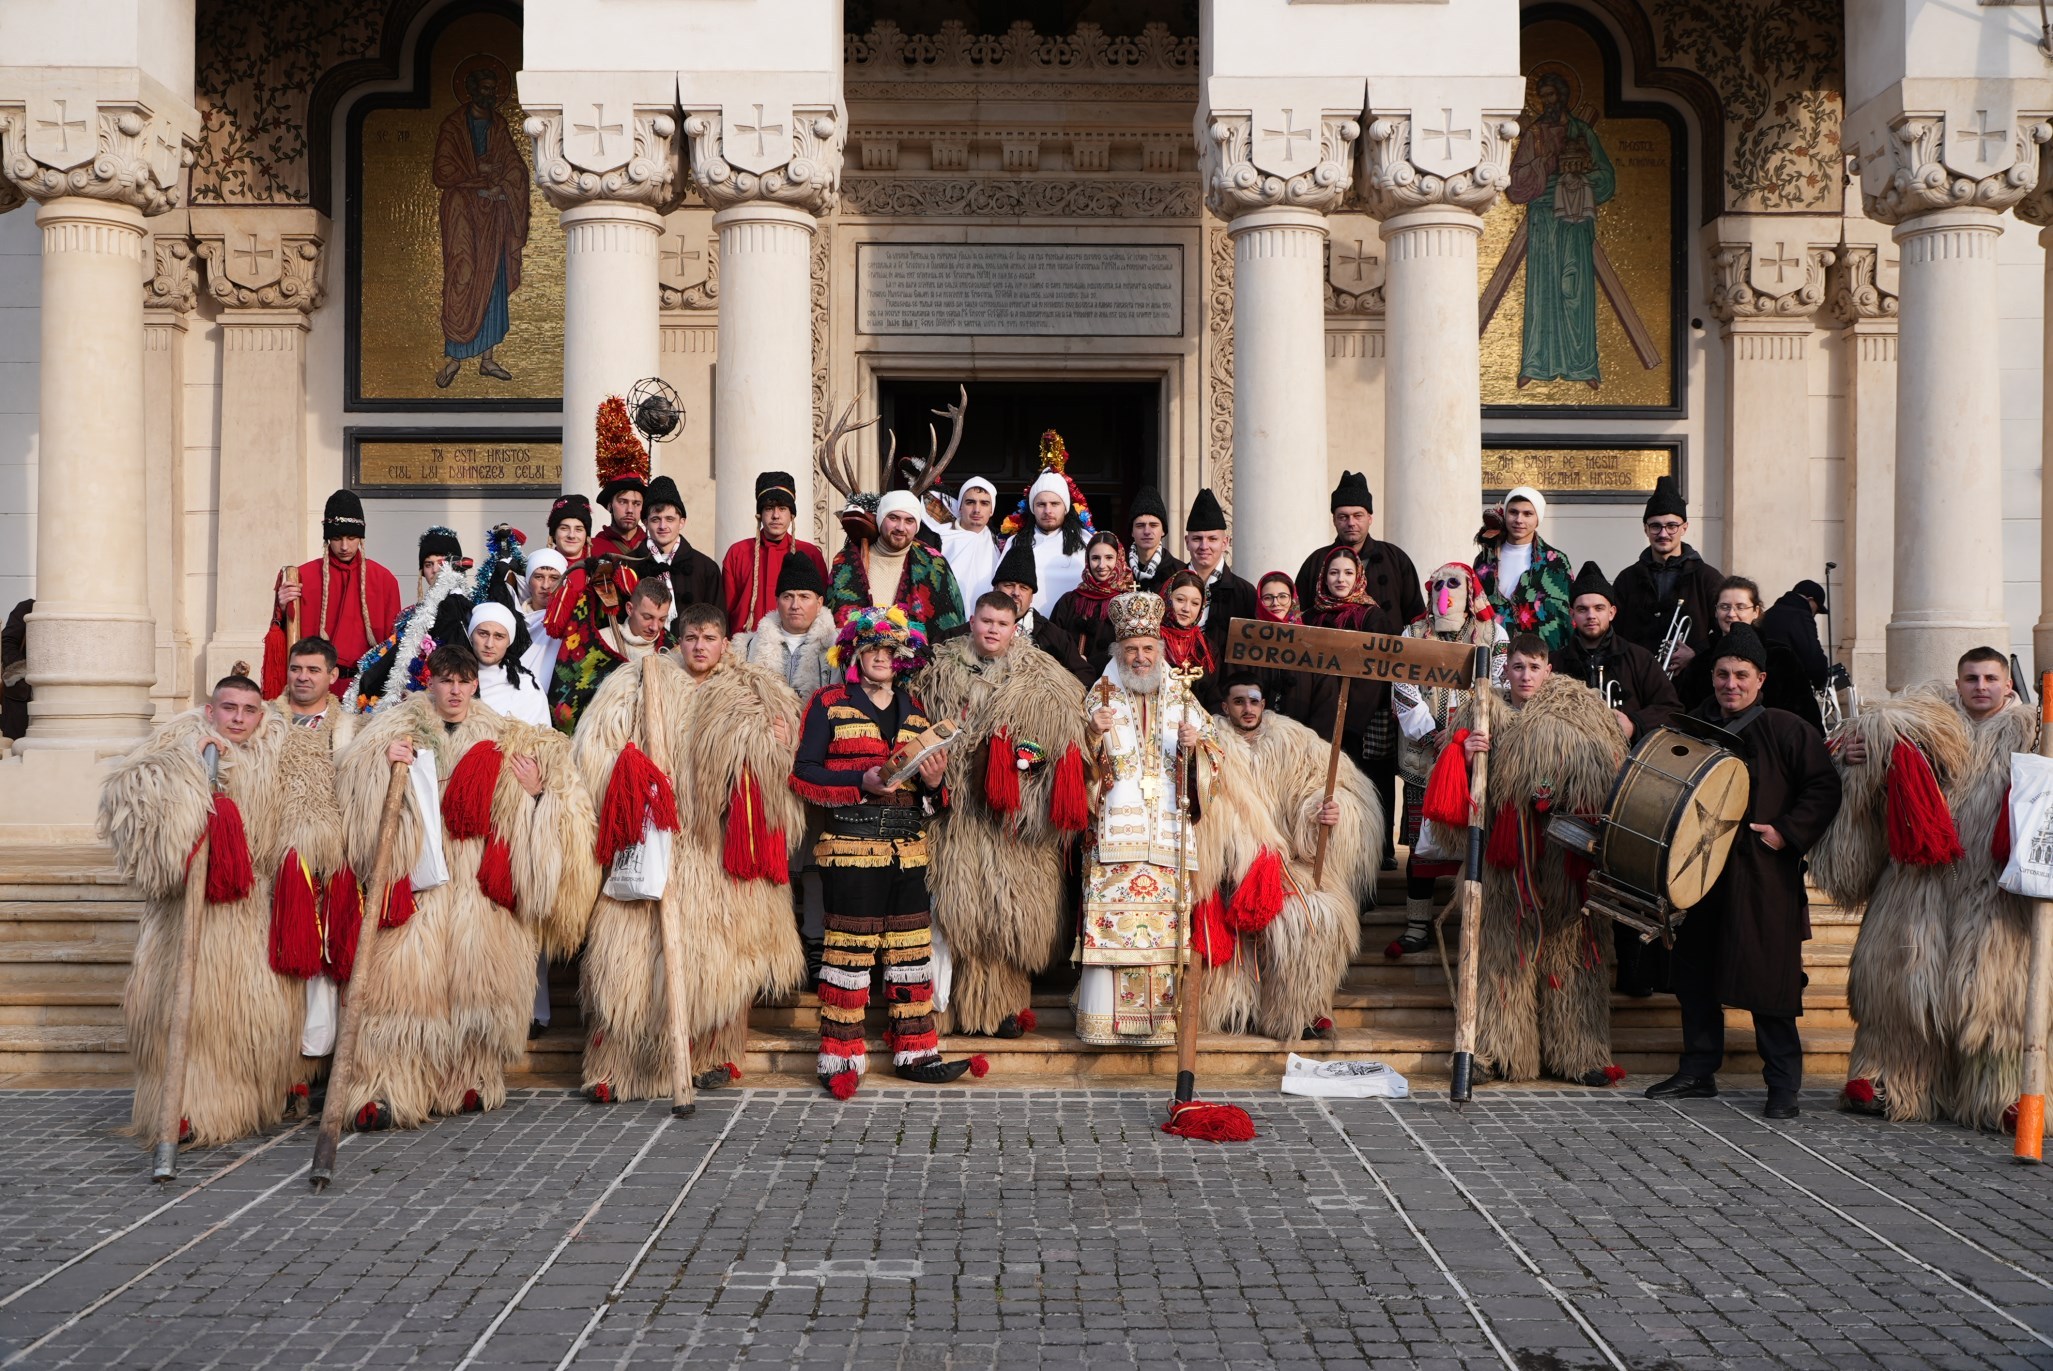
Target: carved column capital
[262,256]
[174,281]
[1914,163]
[1355,267]
[1437,141]
[688,267]
[1271,153]
[103,135]
[1769,268]
[1856,285]
[601,137]
[775,150]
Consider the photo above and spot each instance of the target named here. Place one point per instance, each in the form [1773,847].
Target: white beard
[1148,682]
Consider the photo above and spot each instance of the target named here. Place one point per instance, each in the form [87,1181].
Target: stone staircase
[68,927]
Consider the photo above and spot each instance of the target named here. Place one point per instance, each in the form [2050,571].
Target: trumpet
[1611,689]
[1678,630]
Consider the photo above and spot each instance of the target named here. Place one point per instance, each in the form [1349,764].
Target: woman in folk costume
[494,847]
[1016,799]
[1285,974]
[156,805]
[1185,645]
[872,853]
[730,730]
[1526,577]
[1306,696]
[1937,980]
[1457,610]
[1544,963]
[1057,519]
[1084,613]
[1340,598]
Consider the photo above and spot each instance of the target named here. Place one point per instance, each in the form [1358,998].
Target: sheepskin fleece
[445,997]
[996,880]
[1897,987]
[1304,953]
[804,669]
[242,1049]
[740,937]
[1544,1006]
[1236,821]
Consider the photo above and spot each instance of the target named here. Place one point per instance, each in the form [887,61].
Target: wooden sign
[1359,656]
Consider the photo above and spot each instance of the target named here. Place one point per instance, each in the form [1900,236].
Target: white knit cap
[491,612]
[977,483]
[897,502]
[1539,501]
[1048,481]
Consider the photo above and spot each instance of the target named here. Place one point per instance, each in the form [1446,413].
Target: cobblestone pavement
[920,1229]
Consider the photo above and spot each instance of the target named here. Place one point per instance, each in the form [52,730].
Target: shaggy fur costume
[1897,984]
[1236,823]
[1305,951]
[310,823]
[242,1052]
[445,997]
[804,667]
[1545,972]
[739,936]
[996,879]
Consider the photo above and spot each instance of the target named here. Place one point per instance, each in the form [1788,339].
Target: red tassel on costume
[1069,808]
[1502,851]
[1203,1122]
[1999,837]
[398,903]
[1028,1021]
[295,920]
[753,851]
[1001,775]
[1446,799]
[733,1071]
[345,921]
[1613,1074]
[229,873]
[1259,897]
[1209,934]
[1921,831]
[636,795]
[495,873]
[843,1084]
[467,799]
[979,1066]
[1860,1090]
[841,997]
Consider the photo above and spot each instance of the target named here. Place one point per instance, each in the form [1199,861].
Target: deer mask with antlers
[858,512]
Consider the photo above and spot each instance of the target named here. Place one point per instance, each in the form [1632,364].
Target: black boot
[1681,1087]
[932,1071]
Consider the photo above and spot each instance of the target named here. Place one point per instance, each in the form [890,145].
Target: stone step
[114,945]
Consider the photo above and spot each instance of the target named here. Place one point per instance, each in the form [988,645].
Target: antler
[935,465]
[838,468]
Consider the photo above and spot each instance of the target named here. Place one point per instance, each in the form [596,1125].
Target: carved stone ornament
[1794,275]
[1960,159]
[600,149]
[688,263]
[60,141]
[254,269]
[787,154]
[174,280]
[1355,266]
[1284,156]
[1441,157]
[1855,280]
[2037,205]
[955,52]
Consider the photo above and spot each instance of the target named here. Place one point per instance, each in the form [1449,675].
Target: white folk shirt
[1138,819]
[524,702]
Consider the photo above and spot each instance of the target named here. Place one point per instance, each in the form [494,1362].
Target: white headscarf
[491,612]
[548,559]
[1527,493]
[977,483]
[540,658]
[971,555]
[897,502]
[1048,482]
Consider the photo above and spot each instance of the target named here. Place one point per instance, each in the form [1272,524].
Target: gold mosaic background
[1633,227]
[1583,471]
[401,278]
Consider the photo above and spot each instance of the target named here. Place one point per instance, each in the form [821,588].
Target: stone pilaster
[1276,157]
[264,270]
[1943,177]
[1767,285]
[768,159]
[1356,349]
[169,295]
[607,156]
[1864,306]
[688,272]
[2037,208]
[100,150]
[1434,157]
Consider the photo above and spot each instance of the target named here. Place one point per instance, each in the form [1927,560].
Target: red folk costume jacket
[361,602]
[749,574]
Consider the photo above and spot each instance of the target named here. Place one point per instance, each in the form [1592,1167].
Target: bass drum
[1672,815]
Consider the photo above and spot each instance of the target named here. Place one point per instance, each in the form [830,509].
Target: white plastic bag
[1439,843]
[1355,1080]
[317,1032]
[2030,870]
[430,869]
[640,872]
[943,964]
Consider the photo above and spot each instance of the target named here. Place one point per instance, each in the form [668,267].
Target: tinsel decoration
[620,454]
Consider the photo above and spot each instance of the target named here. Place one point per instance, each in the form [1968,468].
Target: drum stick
[2031,1104]
[1460,1088]
[1332,778]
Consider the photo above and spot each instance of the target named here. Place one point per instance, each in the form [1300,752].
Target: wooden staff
[1190,995]
[1332,777]
[1460,1090]
[343,1067]
[2031,1104]
[290,575]
[171,1107]
[683,1096]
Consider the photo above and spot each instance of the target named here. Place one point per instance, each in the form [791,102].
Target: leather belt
[894,823]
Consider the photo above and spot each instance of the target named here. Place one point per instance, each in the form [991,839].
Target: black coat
[1646,695]
[1164,569]
[1646,595]
[1062,647]
[1392,582]
[1743,943]
[1785,688]
[1090,640]
[694,577]
[1791,623]
[1230,598]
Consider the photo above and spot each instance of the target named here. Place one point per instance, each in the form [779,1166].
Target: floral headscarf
[1350,611]
[1093,594]
[872,627]
[1184,646]
[1294,616]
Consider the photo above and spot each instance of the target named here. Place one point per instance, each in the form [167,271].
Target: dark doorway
[1113,430]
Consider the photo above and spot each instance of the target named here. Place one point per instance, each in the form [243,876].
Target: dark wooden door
[1112,430]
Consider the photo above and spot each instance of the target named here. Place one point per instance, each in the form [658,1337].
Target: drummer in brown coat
[1742,945]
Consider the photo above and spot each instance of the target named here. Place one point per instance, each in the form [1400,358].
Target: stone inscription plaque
[1035,290]
[423,464]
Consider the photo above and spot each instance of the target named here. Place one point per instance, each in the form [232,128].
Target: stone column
[1866,313]
[168,298]
[97,167]
[1767,284]
[606,156]
[770,170]
[1433,160]
[2037,208]
[264,271]
[1937,179]
[1275,161]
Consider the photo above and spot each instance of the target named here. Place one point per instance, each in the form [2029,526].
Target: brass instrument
[1678,629]
[1612,689]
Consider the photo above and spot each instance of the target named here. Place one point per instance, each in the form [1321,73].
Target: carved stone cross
[759,128]
[598,129]
[1782,261]
[1982,134]
[1288,134]
[675,258]
[63,125]
[1448,134]
[253,254]
[1356,260]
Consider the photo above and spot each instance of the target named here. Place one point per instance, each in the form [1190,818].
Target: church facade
[254,252]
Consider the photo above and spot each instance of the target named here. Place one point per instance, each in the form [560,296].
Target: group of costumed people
[964,747]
